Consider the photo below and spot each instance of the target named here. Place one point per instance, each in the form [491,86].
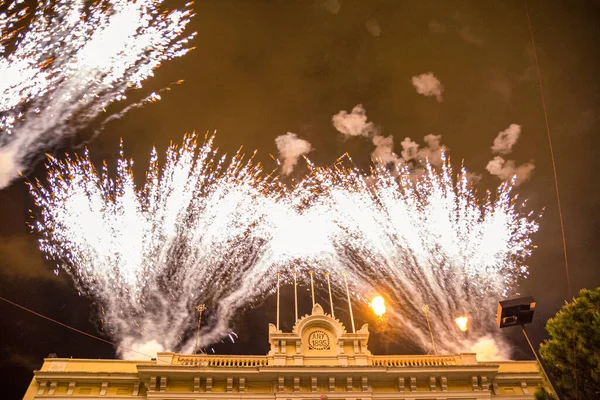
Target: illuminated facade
[317,360]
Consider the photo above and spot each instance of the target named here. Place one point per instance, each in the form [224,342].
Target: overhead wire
[560,213]
[74,329]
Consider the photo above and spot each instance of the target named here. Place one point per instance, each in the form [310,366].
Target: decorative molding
[242,384]
[42,388]
[136,389]
[332,383]
[196,384]
[485,385]
[229,384]
[432,384]
[208,384]
[413,384]
[319,318]
[163,383]
[313,383]
[71,388]
[319,340]
[52,388]
[364,383]
[495,388]
[401,384]
[524,387]
[348,383]
[296,384]
[152,387]
[444,382]
[474,384]
[283,347]
[103,388]
[280,382]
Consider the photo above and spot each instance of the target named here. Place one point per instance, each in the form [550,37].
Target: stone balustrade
[220,361]
[413,361]
[203,360]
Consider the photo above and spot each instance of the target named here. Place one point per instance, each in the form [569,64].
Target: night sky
[264,68]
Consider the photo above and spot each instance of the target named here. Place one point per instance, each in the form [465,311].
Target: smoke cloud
[373,27]
[428,85]
[432,152]
[353,123]
[384,150]
[508,169]
[504,142]
[489,348]
[333,6]
[290,148]
[140,351]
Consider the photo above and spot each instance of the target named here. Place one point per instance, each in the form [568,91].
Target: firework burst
[191,233]
[203,229]
[63,62]
[426,239]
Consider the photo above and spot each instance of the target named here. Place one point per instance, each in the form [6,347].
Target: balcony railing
[204,360]
[412,361]
[221,361]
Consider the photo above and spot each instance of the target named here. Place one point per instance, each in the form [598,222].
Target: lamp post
[518,312]
[199,308]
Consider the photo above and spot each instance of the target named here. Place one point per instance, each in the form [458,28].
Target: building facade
[317,360]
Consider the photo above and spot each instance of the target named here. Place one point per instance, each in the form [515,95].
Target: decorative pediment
[319,318]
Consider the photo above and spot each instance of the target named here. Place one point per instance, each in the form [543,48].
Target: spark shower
[209,229]
[63,62]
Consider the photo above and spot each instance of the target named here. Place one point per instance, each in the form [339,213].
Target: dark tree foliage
[572,354]
[543,394]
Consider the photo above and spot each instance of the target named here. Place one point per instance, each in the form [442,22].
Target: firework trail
[204,230]
[63,62]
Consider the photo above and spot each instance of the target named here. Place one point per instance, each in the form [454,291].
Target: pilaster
[524,387]
[53,388]
[42,387]
[71,388]
[413,383]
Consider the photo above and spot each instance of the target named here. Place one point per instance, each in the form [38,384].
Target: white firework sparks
[64,62]
[192,233]
[427,240]
[201,230]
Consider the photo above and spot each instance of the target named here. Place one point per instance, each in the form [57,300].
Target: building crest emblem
[318,340]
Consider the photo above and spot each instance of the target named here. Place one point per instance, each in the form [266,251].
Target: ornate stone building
[317,360]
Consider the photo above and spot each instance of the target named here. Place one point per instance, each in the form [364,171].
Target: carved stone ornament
[318,340]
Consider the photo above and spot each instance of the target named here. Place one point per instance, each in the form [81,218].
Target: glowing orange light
[378,305]
[462,323]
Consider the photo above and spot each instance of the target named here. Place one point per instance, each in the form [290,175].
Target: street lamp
[515,312]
